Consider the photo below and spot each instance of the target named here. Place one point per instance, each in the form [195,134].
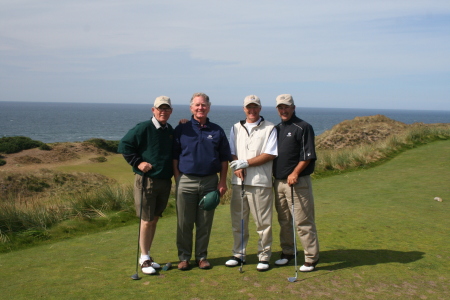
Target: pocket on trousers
[302,183]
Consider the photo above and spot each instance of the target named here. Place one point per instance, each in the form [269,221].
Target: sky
[335,54]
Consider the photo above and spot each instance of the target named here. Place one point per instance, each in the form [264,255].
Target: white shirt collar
[157,124]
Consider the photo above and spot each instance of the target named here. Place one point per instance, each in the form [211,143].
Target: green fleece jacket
[146,143]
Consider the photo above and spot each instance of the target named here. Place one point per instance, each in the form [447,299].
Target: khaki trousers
[304,217]
[258,201]
[155,196]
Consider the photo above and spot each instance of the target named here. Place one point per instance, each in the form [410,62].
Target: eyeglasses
[164,109]
[285,107]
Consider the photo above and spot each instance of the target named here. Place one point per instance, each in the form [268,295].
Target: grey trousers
[304,217]
[190,190]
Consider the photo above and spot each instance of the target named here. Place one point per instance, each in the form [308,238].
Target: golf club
[294,279]
[167,267]
[136,275]
[242,224]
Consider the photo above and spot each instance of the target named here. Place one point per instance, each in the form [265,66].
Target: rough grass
[374,145]
[18,143]
[44,183]
[382,236]
[27,218]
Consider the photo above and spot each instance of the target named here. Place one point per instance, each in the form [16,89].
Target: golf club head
[240,270]
[292,279]
[135,276]
[167,267]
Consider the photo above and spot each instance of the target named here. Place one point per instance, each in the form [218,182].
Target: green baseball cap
[210,201]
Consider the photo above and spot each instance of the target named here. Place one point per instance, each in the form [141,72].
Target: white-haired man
[147,148]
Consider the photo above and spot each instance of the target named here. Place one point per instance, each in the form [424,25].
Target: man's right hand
[145,167]
[240,174]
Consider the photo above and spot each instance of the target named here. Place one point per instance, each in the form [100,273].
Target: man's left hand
[239,164]
[222,187]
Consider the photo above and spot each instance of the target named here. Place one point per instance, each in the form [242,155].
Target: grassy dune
[382,237]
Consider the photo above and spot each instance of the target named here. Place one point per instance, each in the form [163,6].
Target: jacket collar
[197,123]
[261,119]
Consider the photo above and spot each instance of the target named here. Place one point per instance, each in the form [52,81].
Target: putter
[242,226]
[136,275]
[294,279]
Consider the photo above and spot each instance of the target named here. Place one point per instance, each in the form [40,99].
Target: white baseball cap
[162,100]
[252,99]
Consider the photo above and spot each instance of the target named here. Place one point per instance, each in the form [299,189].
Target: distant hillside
[361,130]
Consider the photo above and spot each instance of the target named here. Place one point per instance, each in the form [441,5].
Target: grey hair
[206,97]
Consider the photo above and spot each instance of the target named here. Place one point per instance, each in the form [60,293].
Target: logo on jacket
[209,137]
[289,134]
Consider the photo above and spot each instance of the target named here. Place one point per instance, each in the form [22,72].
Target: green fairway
[382,236]
[116,168]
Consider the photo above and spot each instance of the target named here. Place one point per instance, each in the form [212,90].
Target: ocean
[52,122]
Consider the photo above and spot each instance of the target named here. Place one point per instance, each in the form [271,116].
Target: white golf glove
[239,164]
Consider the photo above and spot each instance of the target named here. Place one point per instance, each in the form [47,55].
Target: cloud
[226,47]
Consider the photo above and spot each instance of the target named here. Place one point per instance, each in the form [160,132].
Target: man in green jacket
[148,149]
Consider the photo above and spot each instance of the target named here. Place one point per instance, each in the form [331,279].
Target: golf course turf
[382,236]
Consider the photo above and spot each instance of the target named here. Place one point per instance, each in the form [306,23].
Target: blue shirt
[200,150]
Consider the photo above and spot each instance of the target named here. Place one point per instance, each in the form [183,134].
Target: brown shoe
[203,264]
[183,265]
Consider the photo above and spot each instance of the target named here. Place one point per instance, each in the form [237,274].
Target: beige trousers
[258,201]
[304,217]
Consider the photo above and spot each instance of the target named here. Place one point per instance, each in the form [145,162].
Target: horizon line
[134,103]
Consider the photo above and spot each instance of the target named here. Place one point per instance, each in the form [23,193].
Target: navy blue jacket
[200,150]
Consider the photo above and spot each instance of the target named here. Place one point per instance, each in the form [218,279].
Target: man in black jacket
[293,166]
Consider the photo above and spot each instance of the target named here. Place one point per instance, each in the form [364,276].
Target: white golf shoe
[148,266]
[284,259]
[281,262]
[233,262]
[308,267]
[263,266]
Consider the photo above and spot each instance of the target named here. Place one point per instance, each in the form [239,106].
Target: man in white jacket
[253,144]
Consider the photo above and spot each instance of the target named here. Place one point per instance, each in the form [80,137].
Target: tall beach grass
[366,155]
[24,221]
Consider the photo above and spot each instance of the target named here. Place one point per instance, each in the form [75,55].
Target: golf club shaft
[294,229]
[242,223]
[140,216]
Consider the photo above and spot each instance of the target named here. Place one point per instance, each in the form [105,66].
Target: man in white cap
[292,168]
[148,149]
[253,144]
